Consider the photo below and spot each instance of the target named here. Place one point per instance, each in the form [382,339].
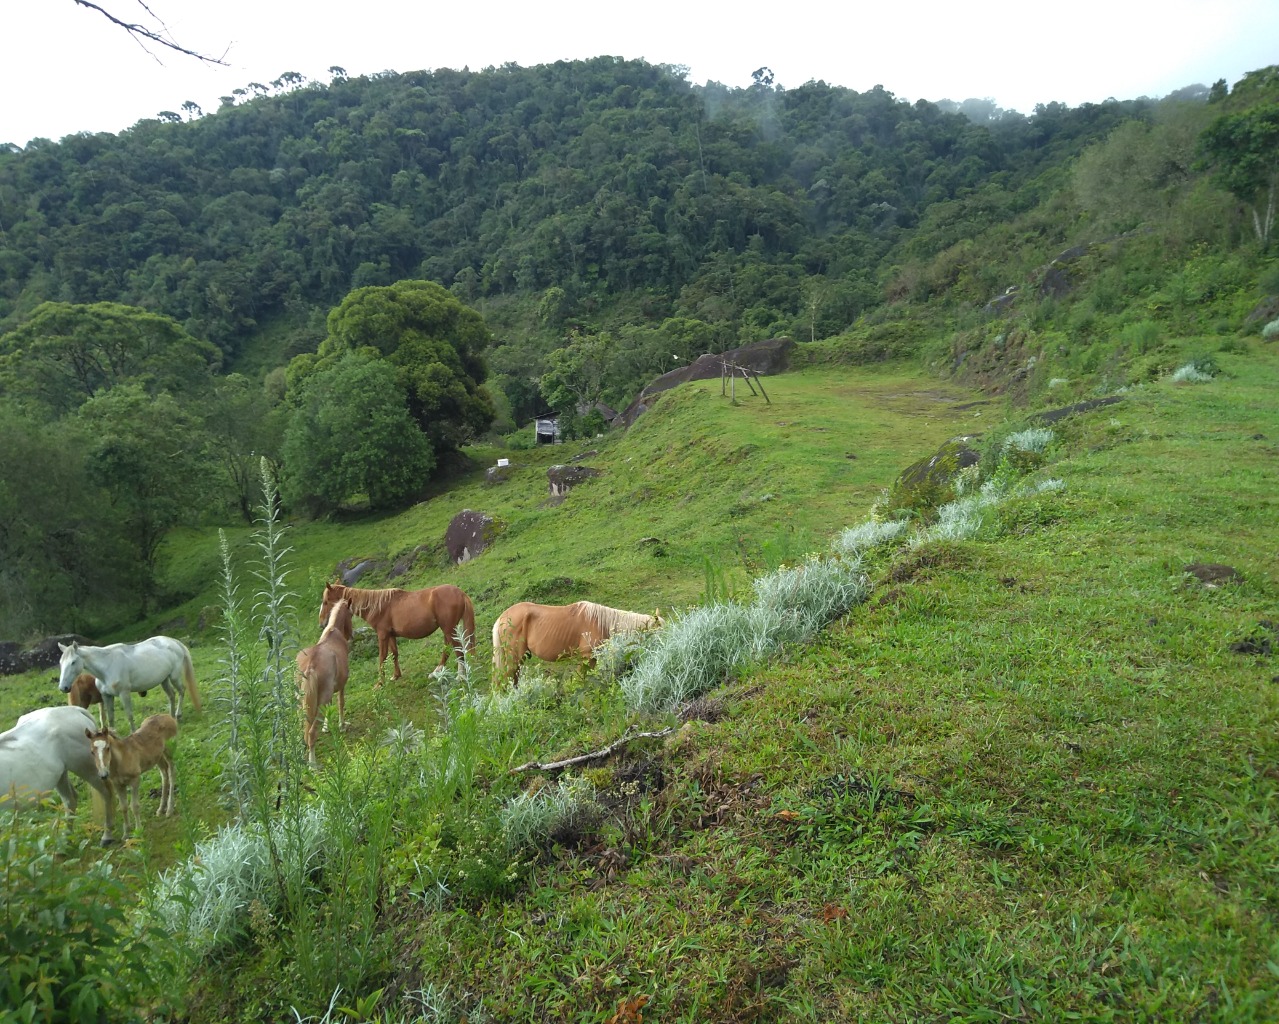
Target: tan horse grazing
[122,761]
[552,631]
[322,672]
[411,614]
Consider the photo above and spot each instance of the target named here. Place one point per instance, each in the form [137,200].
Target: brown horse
[553,631]
[122,761]
[323,670]
[84,693]
[411,614]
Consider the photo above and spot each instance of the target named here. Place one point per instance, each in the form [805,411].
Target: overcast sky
[66,69]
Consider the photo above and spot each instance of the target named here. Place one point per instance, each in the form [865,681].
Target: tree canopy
[351,435]
[436,345]
[66,353]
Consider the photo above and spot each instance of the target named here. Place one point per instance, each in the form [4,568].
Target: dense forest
[460,248]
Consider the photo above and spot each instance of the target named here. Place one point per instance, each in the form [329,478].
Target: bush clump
[701,649]
[69,951]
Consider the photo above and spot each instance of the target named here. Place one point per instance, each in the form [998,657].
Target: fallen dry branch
[594,755]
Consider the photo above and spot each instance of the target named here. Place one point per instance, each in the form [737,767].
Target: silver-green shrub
[1189,374]
[854,540]
[702,648]
[206,899]
[1034,439]
[1271,331]
[530,819]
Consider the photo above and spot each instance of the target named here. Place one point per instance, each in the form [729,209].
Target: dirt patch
[1212,574]
[923,561]
[1263,640]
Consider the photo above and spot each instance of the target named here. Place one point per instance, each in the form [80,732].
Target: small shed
[546,429]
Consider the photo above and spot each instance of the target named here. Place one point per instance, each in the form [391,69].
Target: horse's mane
[369,600]
[615,620]
[340,609]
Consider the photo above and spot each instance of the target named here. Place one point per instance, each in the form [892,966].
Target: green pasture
[1027,779]
[700,488]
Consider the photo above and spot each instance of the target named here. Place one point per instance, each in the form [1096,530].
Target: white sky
[65,69]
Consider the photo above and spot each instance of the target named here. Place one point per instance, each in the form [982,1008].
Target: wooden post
[761,389]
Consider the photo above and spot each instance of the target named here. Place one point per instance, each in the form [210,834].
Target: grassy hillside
[1027,778]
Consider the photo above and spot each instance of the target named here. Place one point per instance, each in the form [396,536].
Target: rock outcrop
[764,357]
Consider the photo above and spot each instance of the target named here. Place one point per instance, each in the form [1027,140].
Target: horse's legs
[133,788]
[67,791]
[174,690]
[341,709]
[108,705]
[166,785]
[383,645]
[518,654]
[108,813]
[126,698]
[395,656]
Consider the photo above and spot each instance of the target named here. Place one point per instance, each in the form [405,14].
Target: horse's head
[70,665]
[658,621]
[339,618]
[100,743]
[332,594]
[342,617]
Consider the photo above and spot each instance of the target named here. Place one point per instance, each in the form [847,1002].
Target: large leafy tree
[1244,150]
[66,353]
[246,427]
[575,375]
[60,555]
[151,459]
[435,345]
[351,434]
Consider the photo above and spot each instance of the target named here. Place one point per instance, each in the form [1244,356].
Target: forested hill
[587,180]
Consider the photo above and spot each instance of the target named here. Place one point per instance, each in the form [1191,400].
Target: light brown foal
[322,672]
[122,761]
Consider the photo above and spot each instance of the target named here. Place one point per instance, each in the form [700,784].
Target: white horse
[124,669]
[37,753]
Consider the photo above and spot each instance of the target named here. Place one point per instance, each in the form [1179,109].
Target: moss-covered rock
[926,485]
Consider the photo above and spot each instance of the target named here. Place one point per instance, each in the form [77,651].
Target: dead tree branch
[595,755]
[159,34]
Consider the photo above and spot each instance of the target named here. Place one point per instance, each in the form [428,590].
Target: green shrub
[1140,337]
[522,440]
[1271,331]
[68,952]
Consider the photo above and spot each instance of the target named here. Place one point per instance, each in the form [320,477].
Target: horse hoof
[108,841]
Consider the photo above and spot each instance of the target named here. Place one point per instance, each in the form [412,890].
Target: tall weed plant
[311,866]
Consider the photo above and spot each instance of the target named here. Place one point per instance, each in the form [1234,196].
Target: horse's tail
[468,623]
[505,646]
[310,688]
[188,673]
[497,648]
